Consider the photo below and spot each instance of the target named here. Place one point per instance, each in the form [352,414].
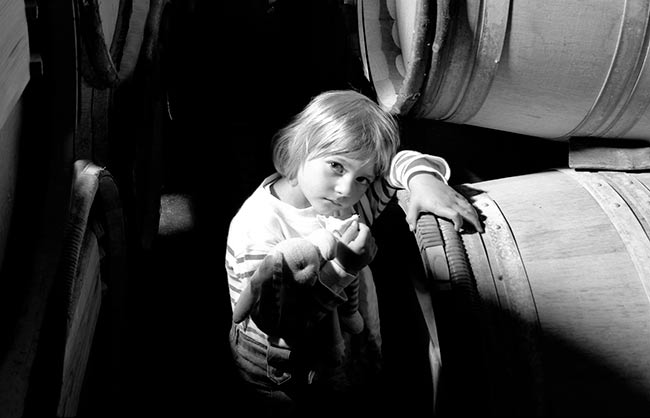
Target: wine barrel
[111,35]
[92,275]
[9,144]
[546,313]
[395,49]
[14,76]
[121,104]
[553,69]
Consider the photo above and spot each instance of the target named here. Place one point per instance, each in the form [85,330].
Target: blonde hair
[334,123]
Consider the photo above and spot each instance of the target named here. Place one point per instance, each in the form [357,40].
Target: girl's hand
[430,194]
[356,248]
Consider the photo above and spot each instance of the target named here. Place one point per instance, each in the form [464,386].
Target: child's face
[332,184]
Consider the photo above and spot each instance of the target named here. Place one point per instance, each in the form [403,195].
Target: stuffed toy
[278,297]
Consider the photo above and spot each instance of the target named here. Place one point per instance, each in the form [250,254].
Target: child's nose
[344,186]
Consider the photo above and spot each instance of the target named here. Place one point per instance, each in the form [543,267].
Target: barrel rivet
[618,205]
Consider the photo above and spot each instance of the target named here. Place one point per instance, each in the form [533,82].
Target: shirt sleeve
[404,165]
[242,261]
[408,163]
[329,291]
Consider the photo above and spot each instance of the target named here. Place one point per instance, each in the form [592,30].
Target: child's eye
[364,180]
[337,167]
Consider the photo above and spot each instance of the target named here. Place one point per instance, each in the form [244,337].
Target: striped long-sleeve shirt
[263,221]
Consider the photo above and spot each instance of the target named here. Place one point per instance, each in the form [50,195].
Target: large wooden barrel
[552,69]
[93,276]
[77,363]
[546,313]
[111,36]
[9,139]
[14,76]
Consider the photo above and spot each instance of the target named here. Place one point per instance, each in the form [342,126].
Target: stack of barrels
[100,70]
[546,313]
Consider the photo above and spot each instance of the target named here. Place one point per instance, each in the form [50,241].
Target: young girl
[338,159]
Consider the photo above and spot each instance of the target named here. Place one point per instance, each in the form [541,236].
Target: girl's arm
[425,177]
[404,166]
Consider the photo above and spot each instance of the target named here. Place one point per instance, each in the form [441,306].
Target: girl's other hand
[430,194]
[357,247]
